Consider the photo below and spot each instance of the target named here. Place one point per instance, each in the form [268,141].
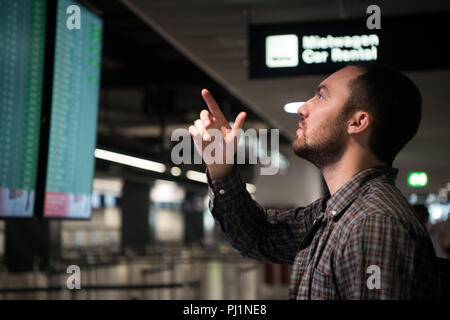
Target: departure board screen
[73,120]
[22,41]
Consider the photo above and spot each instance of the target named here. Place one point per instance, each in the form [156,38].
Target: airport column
[27,244]
[193,218]
[135,205]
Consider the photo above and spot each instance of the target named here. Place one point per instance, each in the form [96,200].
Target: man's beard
[324,150]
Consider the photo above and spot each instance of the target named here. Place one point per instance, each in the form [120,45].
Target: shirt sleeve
[383,260]
[255,232]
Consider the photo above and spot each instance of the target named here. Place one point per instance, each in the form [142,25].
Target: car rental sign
[321,47]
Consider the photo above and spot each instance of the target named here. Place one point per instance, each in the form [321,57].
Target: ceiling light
[292,107]
[175,171]
[196,176]
[129,161]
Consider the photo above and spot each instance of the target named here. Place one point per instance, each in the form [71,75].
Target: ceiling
[154,68]
[149,89]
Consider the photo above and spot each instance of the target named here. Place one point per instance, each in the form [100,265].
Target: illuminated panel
[74,110]
[22,40]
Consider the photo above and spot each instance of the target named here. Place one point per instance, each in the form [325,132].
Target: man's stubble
[326,145]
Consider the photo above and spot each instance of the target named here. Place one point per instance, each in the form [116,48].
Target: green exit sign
[417,179]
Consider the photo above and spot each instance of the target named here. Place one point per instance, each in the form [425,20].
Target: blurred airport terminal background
[93,184]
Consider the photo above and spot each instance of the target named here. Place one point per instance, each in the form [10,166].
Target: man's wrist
[230,186]
[218,174]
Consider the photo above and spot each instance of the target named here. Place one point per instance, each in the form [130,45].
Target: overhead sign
[325,46]
[417,179]
[339,49]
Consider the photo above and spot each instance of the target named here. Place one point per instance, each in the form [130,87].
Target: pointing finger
[213,106]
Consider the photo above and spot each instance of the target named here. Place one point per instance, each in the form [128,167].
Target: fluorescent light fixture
[175,171]
[282,51]
[293,107]
[130,161]
[250,187]
[196,176]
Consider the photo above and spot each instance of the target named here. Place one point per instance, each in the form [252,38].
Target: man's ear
[359,122]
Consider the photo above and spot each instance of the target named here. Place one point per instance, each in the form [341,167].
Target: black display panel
[409,42]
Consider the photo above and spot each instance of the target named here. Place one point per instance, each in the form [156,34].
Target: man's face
[322,137]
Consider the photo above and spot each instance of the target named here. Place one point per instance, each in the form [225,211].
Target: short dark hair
[394,102]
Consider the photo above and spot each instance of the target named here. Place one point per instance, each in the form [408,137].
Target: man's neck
[339,173]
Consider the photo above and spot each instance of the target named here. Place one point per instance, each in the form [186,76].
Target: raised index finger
[213,106]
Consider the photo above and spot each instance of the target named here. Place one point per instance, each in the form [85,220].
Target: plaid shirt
[332,242]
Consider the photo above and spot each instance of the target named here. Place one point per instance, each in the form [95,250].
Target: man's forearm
[232,210]
[256,232]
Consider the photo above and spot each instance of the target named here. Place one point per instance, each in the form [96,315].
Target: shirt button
[221,192]
[334,212]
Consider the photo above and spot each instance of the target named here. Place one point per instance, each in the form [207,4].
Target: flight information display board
[73,119]
[22,41]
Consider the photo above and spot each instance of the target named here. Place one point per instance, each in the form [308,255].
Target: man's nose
[303,111]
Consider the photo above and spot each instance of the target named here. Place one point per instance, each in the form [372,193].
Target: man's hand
[214,119]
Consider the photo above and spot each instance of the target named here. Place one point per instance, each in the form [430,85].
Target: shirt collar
[334,206]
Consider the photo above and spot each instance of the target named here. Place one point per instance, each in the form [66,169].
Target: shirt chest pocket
[323,286]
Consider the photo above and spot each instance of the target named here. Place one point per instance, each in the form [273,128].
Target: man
[362,239]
